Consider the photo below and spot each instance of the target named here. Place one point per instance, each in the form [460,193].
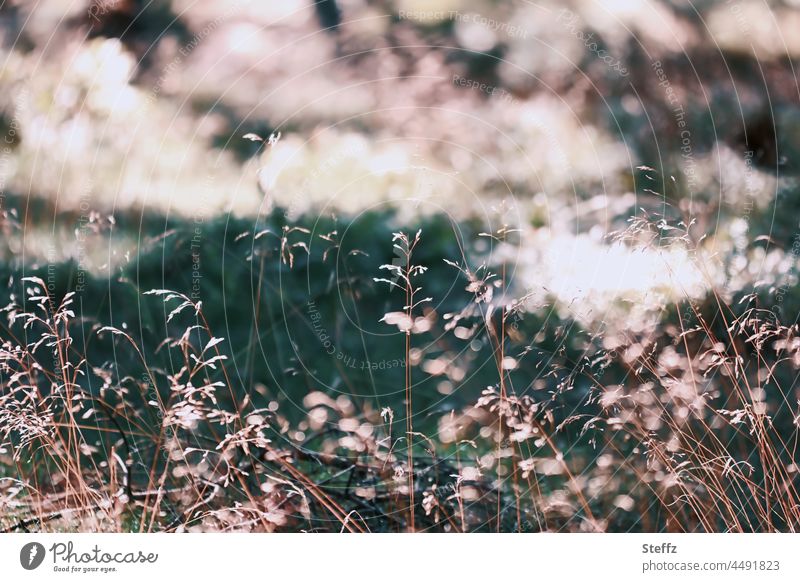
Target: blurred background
[136,110]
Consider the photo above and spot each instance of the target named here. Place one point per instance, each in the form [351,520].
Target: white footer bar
[389,557]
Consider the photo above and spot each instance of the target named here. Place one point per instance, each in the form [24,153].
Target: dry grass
[690,427]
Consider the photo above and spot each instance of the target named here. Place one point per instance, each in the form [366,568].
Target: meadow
[386,267]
